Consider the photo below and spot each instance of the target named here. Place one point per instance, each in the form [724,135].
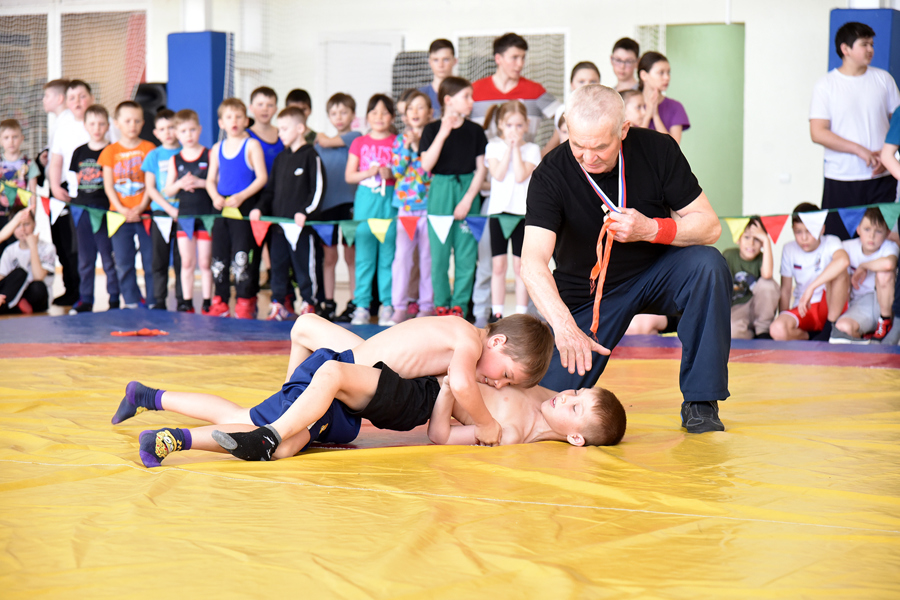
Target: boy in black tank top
[187,181]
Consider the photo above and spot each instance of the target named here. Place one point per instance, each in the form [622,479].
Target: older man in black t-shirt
[658,263]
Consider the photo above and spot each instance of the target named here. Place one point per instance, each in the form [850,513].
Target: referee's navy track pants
[695,282]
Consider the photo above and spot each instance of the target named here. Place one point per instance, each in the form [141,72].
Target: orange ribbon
[598,273]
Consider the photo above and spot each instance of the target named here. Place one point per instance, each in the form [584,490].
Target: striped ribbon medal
[598,273]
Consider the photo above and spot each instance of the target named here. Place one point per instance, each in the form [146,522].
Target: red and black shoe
[884,327]
[218,308]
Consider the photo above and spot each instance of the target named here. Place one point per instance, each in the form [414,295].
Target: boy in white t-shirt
[818,263]
[873,268]
[849,115]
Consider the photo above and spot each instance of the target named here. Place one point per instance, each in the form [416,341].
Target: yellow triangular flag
[231,212]
[24,196]
[737,226]
[114,220]
[379,227]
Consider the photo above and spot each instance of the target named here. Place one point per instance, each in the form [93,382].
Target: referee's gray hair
[594,104]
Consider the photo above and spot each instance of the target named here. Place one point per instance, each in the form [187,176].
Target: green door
[708,79]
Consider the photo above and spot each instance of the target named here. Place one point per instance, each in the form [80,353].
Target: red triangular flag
[774,225]
[259,230]
[147,223]
[46,203]
[409,224]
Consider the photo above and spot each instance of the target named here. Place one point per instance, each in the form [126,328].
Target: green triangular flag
[348,228]
[96,216]
[890,211]
[508,223]
[208,221]
[10,191]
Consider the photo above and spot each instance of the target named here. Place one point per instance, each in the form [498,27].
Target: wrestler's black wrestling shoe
[700,417]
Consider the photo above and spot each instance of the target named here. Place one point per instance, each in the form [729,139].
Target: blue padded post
[197,63]
[886,24]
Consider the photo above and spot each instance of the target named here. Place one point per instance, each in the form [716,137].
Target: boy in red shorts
[818,263]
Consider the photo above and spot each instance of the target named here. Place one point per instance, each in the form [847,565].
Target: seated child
[873,264]
[818,263]
[15,168]
[333,395]
[26,268]
[512,351]
[91,193]
[187,181]
[755,294]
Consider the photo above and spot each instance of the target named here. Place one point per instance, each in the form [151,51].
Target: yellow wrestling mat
[798,499]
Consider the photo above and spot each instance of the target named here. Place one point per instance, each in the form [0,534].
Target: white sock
[497,309]
[520,309]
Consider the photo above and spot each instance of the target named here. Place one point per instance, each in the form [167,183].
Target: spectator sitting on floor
[26,267]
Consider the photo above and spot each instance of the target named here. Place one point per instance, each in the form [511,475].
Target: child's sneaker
[412,309]
[384,314]
[207,303]
[327,310]
[347,315]
[277,312]
[186,306]
[113,305]
[217,308]
[839,337]
[81,307]
[361,316]
[245,308]
[441,311]
[494,318]
[306,309]
[457,311]
[884,327]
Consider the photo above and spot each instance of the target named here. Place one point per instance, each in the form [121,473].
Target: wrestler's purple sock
[138,398]
[158,444]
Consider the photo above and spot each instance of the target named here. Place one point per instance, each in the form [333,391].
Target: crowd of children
[407,198]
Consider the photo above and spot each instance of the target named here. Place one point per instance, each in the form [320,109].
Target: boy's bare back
[422,347]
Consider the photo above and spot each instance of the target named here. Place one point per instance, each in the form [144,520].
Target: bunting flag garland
[379,228]
[851,217]
[325,231]
[260,228]
[208,222]
[230,212]
[348,229]
[46,204]
[292,233]
[187,226]
[508,224]
[814,221]
[24,196]
[164,224]
[147,223]
[737,227]
[890,212]
[96,217]
[56,208]
[774,226]
[476,226]
[77,213]
[409,225]
[10,191]
[441,225]
[114,220]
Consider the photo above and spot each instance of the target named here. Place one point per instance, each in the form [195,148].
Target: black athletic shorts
[500,245]
[400,404]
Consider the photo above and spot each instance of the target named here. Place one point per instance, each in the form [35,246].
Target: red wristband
[667,231]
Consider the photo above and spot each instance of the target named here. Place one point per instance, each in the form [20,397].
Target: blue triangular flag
[476,225]
[325,231]
[851,218]
[76,211]
[187,226]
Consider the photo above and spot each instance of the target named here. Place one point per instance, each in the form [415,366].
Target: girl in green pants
[453,150]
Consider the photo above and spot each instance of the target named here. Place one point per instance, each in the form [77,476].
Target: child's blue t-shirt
[435,103]
[893,134]
[334,161]
[157,162]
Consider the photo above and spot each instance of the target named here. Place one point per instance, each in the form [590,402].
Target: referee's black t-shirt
[657,178]
[461,148]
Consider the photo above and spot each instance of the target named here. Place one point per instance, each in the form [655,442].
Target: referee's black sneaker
[700,417]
